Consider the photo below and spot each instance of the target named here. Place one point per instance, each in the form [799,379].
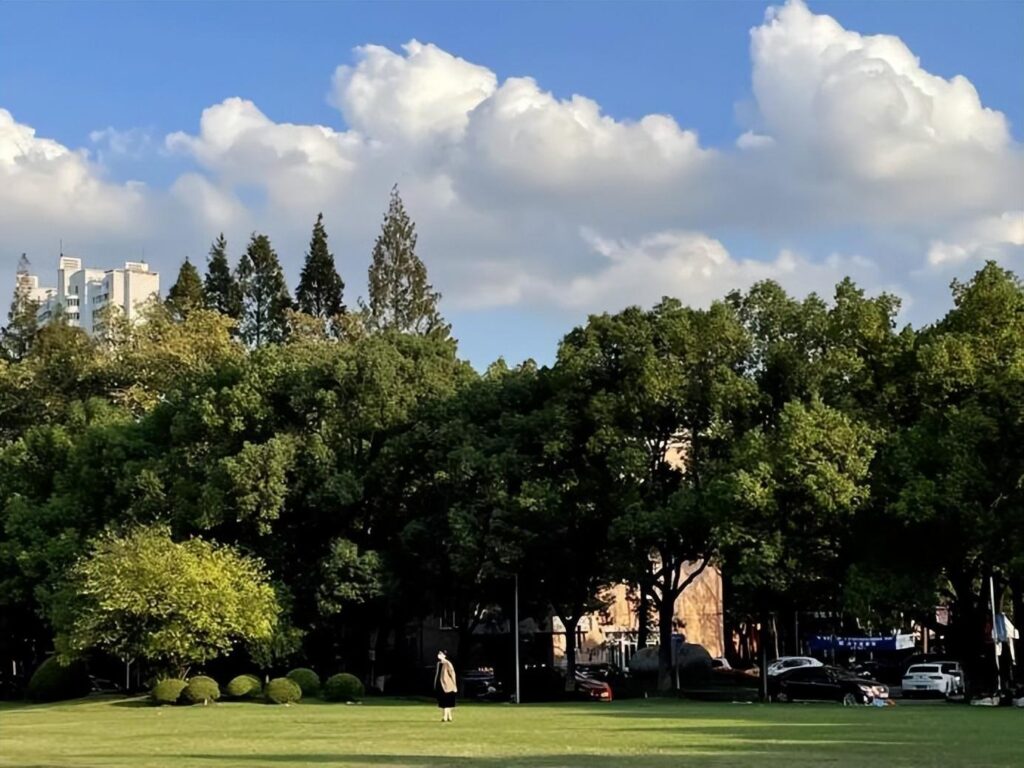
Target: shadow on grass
[671,760]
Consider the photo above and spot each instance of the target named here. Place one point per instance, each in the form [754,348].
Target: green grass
[394,734]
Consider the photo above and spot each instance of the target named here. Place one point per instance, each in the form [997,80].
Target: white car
[786,663]
[943,678]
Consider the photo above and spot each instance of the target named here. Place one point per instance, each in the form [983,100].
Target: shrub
[167,691]
[244,687]
[306,679]
[281,690]
[53,682]
[201,689]
[343,687]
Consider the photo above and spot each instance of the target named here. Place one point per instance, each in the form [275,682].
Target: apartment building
[82,292]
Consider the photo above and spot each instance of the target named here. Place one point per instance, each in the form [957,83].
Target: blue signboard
[882,643]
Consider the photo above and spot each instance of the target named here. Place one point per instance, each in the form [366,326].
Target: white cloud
[426,93]
[846,133]
[1000,238]
[48,191]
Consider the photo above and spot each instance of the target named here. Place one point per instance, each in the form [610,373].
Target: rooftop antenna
[62,247]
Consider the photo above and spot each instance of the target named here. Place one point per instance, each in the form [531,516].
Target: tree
[141,595]
[320,286]
[17,337]
[220,287]
[666,389]
[186,294]
[265,297]
[796,490]
[400,298]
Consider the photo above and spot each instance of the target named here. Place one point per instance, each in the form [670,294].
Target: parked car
[482,685]
[940,678]
[592,689]
[786,663]
[821,683]
[622,685]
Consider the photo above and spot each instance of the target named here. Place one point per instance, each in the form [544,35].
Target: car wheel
[849,700]
[782,697]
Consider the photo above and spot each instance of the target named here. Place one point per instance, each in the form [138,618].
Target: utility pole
[995,633]
[515,632]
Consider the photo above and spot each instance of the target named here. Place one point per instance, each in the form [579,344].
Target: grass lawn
[396,734]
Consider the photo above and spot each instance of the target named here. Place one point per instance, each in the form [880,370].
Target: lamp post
[515,632]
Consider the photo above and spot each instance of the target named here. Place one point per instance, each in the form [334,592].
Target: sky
[559,159]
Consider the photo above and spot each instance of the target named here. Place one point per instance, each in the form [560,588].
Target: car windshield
[950,669]
[920,669]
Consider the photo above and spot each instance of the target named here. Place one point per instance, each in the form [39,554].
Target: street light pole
[515,631]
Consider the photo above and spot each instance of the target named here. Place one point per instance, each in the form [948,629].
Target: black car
[825,684]
[482,685]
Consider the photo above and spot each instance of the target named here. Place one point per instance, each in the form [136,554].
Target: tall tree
[220,287]
[186,294]
[320,285]
[400,298]
[265,297]
[22,326]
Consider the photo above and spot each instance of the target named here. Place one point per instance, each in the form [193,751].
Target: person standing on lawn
[445,686]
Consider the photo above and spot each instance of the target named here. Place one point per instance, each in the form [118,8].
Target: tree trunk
[643,618]
[570,623]
[666,615]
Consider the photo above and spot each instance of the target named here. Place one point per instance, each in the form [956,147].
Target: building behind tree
[82,293]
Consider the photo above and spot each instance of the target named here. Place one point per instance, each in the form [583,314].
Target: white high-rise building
[83,292]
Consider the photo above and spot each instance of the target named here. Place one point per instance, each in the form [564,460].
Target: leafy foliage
[143,595]
[244,687]
[201,689]
[281,690]
[54,681]
[343,687]
[400,298]
[306,679]
[167,691]
[320,287]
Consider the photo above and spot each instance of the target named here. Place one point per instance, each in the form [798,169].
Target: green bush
[167,691]
[281,690]
[343,687]
[306,679]
[201,689]
[244,687]
[53,682]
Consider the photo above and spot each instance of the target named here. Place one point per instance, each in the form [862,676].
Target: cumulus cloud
[48,191]
[426,93]
[845,133]
[999,238]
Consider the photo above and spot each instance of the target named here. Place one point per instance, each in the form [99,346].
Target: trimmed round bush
[306,679]
[167,691]
[343,687]
[244,687]
[201,689]
[54,682]
[281,690]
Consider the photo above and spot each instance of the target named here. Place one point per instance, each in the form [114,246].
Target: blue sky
[148,70]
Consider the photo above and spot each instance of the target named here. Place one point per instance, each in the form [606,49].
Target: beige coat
[445,677]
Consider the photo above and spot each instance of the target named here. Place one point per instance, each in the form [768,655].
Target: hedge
[244,687]
[54,682]
[167,691]
[306,679]
[343,687]
[281,690]
[201,690]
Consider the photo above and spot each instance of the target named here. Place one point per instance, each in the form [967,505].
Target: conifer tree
[320,285]
[265,297]
[220,287]
[186,294]
[17,337]
[400,298]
